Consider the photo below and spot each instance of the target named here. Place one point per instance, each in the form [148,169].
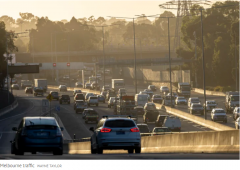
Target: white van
[173,123]
[141,99]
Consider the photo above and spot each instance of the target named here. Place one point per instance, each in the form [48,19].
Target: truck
[41,83]
[184,89]
[232,101]
[125,106]
[117,84]
[26,83]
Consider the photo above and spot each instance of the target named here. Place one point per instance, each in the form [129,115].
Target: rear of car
[160,120]
[219,114]
[79,96]
[38,91]
[160,131]
[196,109]
[62,88]
[157,99]
[29,90]
[93,100]
[15,87]
[152,87]
[118,133]
[172,123]
[80,106]
[181,101]
[150,116]
[143,128]
[101,98]
[76,91]
[65,99]
[55,95]
[91,116]
[35,134]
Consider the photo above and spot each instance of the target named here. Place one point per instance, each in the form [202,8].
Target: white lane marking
[20,113]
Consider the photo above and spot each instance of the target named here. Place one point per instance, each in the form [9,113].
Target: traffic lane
[116,156]
[6,124]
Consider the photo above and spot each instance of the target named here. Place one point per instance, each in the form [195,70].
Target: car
[115,103]
[54,94]
[80,106]
[87,86]
[104,93]
[75,91]
[79,96]
[160,119]
[143,92]
[149,92]
[139,110]
[110,102]
[156,98]
[91,116]
[95,86]
[237,123]
[15,87]
[168,101]
[29,90]
[164,89]
[160,131]
[173,94]
[62,88]
[143,128]
[78,84]
[37,134]
[76,102]
[87,110]
[106,88]
[92,100]
[193,100]
[64,99]
[150,116]
[210,104]
[101,98]
[196,108]
[173,123]
[152,88]
[88,95]
[218,114]
[110,93]
[236,113]
[150,106]
[115,133]
[180,100]
[38,91]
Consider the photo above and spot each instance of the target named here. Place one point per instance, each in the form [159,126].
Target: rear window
[119,123]
[156,96]
[45,122]
[143,129]
[55,93]
[91,113]
[219,111]
[93,97]
[65,96]
[50,127]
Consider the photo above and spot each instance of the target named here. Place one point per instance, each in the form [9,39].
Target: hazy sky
[66,9]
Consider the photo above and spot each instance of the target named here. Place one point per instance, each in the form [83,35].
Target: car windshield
[195,101]
[197,106]
[142,98]
[219,111]
[161,130]
[235,98]
[143,129]
[93,97]
[186,88]
[119,123]
[165,88]
[157,96]
[211,102]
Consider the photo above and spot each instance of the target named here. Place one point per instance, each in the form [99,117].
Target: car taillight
[134,130]
[59,133]
[105,130]
[24,132]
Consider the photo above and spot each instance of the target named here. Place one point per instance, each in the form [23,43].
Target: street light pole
[103,57]
[7,69]
[135,69]
[170,71]
[235,58]
[203,65]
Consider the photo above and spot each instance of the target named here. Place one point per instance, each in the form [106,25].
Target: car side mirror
[14,129]
[91,129]
[62,129]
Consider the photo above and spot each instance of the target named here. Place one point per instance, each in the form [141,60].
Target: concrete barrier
[9,108]
[209,92]
[207,142]
[196,119]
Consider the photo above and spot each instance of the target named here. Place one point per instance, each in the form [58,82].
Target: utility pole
[235,58]
[7,69]
[135,69]
[103,57]
[194,33]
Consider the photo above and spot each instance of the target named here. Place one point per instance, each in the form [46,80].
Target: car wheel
[19,152]
[93,151]
[130,150]
[34,152]
[138,150]
[58,152]
[99,150]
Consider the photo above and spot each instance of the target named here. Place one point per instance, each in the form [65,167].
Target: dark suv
[160,120]
[37,134]
[54,95]
[64,99]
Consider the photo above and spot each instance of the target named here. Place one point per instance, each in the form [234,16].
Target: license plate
[120,133]
[42,134]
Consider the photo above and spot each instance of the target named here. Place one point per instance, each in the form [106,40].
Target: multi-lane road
[28,105]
